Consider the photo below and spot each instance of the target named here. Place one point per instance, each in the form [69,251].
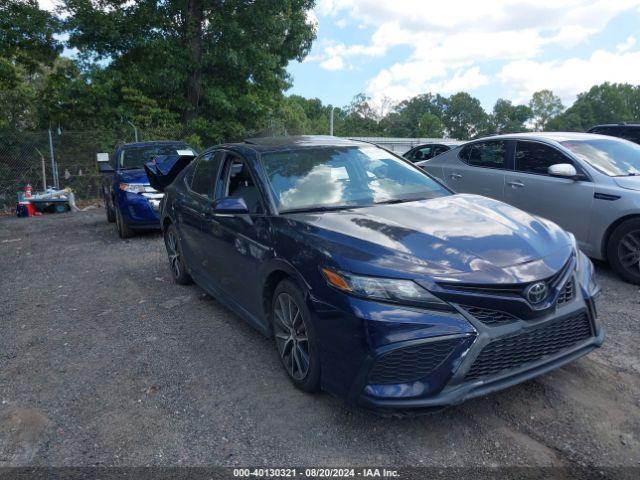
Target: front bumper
[140,210]
[434,359]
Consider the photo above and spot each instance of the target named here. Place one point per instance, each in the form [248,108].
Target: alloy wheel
[291,336]
[629,252]
[174,254]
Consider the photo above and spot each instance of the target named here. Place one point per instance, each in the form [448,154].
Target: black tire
[111,215]
[176,259]
[623,250]
[124,231]
[295,337]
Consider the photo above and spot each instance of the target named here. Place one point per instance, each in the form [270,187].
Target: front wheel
[176,260]
[111,215]
[124,231]
[295,337]
[623,250]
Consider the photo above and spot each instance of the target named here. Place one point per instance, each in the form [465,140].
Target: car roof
[615,125]
[548,136]
[151,143]
[449,143]
[299,141]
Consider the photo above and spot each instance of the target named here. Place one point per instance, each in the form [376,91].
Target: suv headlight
[134,187]
[405,292]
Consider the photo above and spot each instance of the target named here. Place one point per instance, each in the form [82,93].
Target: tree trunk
[193,41]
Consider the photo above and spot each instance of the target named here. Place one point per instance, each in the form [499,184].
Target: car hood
[630,183]
[458,238]
[136,175]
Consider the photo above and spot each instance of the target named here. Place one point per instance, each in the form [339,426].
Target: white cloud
[333,63]
[48,4]
[450,41]
[569,77]
[627,44]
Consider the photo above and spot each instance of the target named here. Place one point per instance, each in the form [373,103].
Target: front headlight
[393,290]
[134,187]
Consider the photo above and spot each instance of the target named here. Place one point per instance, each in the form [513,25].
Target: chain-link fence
[26,158]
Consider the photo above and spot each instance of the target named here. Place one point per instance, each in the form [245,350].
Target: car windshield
[616,158]
[344,177]
[137,156]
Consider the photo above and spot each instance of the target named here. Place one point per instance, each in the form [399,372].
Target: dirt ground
[105,361]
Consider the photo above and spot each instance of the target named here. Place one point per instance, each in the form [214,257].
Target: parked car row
[376,280]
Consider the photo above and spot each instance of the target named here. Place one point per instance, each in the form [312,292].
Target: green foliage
[430,126]
[509,118]
[464,117]
[220,62]
[605,103]
[544,106]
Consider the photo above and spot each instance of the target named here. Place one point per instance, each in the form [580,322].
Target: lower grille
[517,350]
[567,293]
[490,317]
[409,364]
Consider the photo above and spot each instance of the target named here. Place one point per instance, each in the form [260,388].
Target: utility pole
[331,121]
[54,167]
[44,171]
[135,130]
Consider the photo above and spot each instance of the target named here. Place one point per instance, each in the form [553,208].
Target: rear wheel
[124,231]
[295,337]
[623,250]
[176,261]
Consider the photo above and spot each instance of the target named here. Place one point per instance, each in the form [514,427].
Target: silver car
[588,184]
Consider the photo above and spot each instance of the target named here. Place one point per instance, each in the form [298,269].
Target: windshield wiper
[399,200]
[320,208]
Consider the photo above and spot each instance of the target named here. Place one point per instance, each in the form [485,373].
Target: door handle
[516,184]
[455,176]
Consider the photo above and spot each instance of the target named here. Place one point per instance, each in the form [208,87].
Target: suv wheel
[295,337]
[124,231]
[176,260]
[623,250]
[108,207]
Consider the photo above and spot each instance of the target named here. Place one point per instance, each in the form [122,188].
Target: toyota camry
[375,281]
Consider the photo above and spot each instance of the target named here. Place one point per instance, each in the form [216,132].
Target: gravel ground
[104,361]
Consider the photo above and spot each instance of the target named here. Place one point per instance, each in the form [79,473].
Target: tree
[509,118]
[27,46]
[219,64]
[360,118]
[605,103]
[27,36]
[544,106]
[430,126]
[405,120]
[464,117]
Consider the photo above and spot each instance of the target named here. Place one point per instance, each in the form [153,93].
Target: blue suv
[129,200]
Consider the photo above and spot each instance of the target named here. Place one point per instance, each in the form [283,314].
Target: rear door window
[534,157]
[491,154]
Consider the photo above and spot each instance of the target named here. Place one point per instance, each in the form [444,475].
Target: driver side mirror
[104,167]
[231,206]
[565,170]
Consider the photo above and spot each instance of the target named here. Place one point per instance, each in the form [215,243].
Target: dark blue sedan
[375,281]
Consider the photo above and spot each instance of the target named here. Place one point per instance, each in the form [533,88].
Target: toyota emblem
[536,292]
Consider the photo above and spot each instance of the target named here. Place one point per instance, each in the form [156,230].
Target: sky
[395,49]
